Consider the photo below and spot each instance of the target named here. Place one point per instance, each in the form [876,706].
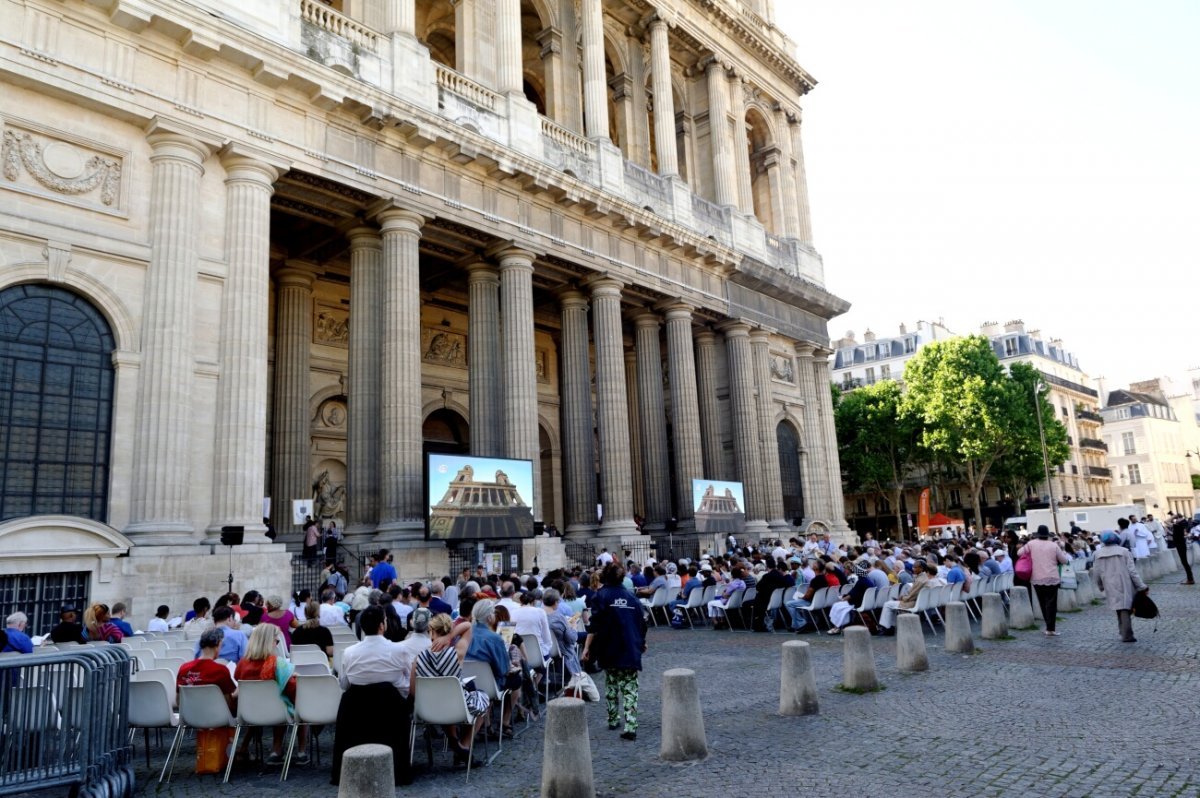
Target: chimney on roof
[1035,334]
[1014,326]
[989,329]
[849,336]
[903,329]
[868,336]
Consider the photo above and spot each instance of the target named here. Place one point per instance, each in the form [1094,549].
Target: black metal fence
[308,573]
[677,547]
[65,722]
[41,596]
[499,556]
[581,554]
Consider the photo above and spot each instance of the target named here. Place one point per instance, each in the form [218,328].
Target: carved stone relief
[541,358]
[331,326]
[444,347]
[782,368]
[45,164]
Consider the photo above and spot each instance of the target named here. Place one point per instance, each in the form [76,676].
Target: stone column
[577,435]
[551,42]
[364,390]
[710,408]
[159,511]
[239,462]
[803,217]
[508,47]
[520,370]
[483,359]
[656,473]
[595,86]
[664,101]
[635,430]
[744,415]
[685,410]
[822,377]
[466,54]
[760,353]
[400,468]
[812,459]
[787,174]
[725,191]
[741,145]
[401,17]
[612,412]
[291,466]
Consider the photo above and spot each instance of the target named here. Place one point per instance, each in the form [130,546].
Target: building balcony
[1093,443]
[1088,416]
[1099,471]
[1070,386]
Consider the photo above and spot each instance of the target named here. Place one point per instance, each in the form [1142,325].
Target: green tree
[1015,471]
[876,441]
[973,413]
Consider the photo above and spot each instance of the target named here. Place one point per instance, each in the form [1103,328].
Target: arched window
[789,470]
[56,387]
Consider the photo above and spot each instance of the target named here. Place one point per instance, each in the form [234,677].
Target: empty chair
[774,606]
[144,657]
[439,701]
[309,658]
[164,677]
[150,708]
[312,669]
[748,601]
[173,664]
[201,706]
[306,647]
[159,647]
[658,602]
[317,701]
[259,704]
[695,603]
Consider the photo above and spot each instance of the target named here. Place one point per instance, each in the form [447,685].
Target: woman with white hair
[1117,575]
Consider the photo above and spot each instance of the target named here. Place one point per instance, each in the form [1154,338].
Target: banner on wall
[923,512]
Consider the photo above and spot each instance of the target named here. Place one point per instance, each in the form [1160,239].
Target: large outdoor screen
[477,498]
[719,507]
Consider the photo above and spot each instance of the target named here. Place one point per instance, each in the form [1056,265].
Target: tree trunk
[900,534]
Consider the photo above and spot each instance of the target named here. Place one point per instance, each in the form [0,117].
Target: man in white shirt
[603,558]
[330,614]
[375,659]
[508,601]
[417,641]
[531,622]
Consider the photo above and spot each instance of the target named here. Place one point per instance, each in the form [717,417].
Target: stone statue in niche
[447,348]
[333,414]
[539,359]
[782,369]
[331,327]
[329,500]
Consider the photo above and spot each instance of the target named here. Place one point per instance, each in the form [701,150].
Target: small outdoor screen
[478,498]
[719,506]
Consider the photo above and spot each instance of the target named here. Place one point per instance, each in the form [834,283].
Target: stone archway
[445,432]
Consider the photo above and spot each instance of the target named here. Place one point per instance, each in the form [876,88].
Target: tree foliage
[1023,466]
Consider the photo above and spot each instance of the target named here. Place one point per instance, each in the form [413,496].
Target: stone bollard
[682,718]
[566,751]
[1167,558]
[910,644]
[858,660]
[1146,568]
[1036,605]
[958,629]
[1084,592]
[367,772]
[797,683]
[1020,613]
[1067,600]
[994,625]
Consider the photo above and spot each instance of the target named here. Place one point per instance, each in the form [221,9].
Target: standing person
[383,573]
[1179,537]
[618,633]
[281,619]
[1046,556]
[312,536]
[1118,577]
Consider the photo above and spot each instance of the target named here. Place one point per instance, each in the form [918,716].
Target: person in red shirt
[206,669]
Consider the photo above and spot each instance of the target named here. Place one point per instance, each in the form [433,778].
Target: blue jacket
[618,628]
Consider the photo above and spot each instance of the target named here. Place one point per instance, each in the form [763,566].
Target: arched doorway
[788,440]
[445,432]
[763,158]
[56,387]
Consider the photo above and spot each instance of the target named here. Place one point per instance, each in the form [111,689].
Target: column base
[359,534]
[617,528]
[580,532]
[151,533]
[252,533]
[405,530]
[780,526]
[756,529]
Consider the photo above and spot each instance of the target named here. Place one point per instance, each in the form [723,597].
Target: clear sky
[988,160]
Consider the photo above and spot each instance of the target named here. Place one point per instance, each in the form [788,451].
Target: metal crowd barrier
[65,722]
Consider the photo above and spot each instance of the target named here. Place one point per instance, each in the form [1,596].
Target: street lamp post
[1037,405]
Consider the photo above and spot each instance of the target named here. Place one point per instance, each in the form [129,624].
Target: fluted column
[159,511]
[787,174]
[803,216]
[508,46]
[652,410]
[744,415]
[812,459]
[709,407]
[400,17]
[741,145]
[483,359]
[760,352]
[823,377]
[612,412]
[520,370]
[239,460]
[664,100]
[400,468]
[595,85]
[725,190]
[291,466]
[578,440]
[635,432]
[685,410]
[364,390]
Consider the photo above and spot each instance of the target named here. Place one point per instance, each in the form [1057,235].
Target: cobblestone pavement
[1078,715]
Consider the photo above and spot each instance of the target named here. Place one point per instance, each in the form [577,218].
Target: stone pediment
[60,536]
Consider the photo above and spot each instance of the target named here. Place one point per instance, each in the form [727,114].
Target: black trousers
[1047,596]
[374,713]
[1181,546]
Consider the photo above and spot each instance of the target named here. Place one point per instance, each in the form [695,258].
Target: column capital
[674,310]
[705,335]
[365,236]
[645,319]
[711,63]
[243,162]
[805,350]
[392,218]
[759,335]
[821,355]
[296,274]
[479,271]
[604,285]
[171,138]
[512,255]
[734,328]
[572,299]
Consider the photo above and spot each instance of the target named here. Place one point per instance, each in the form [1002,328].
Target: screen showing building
[473,498]
[718,506]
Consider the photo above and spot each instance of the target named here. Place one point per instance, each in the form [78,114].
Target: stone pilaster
[744,414]
[812,459]
[508,46]
[725,186]
[483,359]
[652,412]
[664,101]
[787,174]
[401,513]
[685,410]
[291,447]
[823,377]
[520,370]
[577,429]
[741,145]
[709,406]
[595,85]
[635,430]
[159,511]
[760,353]
[239,462]
[612,416]
[364,388]
[803,216]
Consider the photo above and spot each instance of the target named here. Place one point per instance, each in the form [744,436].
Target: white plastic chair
[305,647]
[173,664]
[485,680]
[317,702]
[533,655]
[926,603]
[658,602]
[159,647]
[316,657]
[201,706]
[259,704]
[149,708]
[312,669]
[733,605]
[164,677]
[695,602]
[774,606]
[439,701]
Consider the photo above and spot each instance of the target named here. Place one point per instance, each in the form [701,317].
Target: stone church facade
[257,250]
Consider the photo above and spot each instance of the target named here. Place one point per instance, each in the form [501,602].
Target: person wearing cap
[1046,555]
[1117,575]
[1001,558]
[68,629]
